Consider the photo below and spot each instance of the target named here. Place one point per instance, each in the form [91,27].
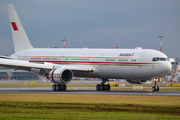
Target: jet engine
[136,81]
[61,75]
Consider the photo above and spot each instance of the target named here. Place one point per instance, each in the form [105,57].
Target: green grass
[38,110]
[88,107]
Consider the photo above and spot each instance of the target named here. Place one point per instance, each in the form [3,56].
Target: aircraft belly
[145,72]
[117,72]
[101,72]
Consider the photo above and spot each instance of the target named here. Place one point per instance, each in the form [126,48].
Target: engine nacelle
[136,81]
[61,75]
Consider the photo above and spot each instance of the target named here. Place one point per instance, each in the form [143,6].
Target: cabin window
[122,60]
[54,58]
[110,59]
[46,58]
[36,58]
[79,59]
[133,60]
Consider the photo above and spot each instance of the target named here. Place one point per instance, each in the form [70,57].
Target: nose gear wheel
[155,88]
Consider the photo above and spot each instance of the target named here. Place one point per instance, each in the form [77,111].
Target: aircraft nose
[166,68]
[169,67]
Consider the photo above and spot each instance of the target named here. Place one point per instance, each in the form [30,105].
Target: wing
[46,67]
[22,64]
[5,57]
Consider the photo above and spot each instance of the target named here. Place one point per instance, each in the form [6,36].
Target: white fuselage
[106,63]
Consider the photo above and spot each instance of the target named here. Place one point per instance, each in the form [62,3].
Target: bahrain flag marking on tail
[14,26]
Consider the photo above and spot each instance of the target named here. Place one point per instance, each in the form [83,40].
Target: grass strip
[82,107]
[39,110]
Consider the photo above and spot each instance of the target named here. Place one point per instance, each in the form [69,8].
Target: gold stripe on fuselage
[64,63]
[79,57]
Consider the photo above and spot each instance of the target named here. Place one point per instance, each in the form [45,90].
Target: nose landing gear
[155,88]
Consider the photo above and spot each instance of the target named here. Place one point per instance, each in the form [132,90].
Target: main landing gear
[155,88]
[57,87]
[102,86]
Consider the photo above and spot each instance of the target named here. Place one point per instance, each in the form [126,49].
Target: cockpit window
[154,59]
[160,59]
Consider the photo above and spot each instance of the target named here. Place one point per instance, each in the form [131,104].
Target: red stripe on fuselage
[92,62]
[14,26]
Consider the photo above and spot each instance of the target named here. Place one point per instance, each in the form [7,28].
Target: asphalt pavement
[89,90]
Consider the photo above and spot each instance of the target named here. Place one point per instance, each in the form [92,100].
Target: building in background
[11,74]
[173,76]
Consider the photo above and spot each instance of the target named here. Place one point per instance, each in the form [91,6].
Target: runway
[72,90]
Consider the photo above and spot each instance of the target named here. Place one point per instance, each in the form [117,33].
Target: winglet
[20,39]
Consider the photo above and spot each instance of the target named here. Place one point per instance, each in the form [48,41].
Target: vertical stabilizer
[20,39]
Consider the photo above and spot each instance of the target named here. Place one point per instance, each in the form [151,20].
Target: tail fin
[20,39]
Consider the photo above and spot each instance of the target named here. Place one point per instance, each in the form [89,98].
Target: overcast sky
[95,24]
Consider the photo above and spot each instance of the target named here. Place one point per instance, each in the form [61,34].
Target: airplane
[60,65]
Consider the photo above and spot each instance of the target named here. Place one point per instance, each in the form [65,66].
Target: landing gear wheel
[63,87]
[153,89]
[59,87]
[108,87]
[102,88]
[157,89]
[98,87]
[54,87]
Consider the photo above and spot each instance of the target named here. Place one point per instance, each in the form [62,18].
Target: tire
[63,88]
[102,87]
[108,87]
[58,87]
[98,87]
[153,89]
[157,89]
[54,87]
